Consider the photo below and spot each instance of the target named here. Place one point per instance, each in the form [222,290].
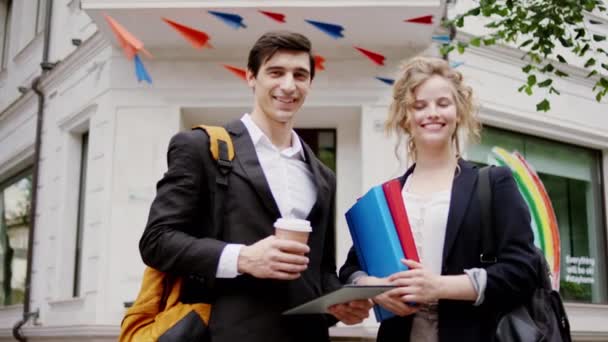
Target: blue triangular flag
[140,71]
[441,38]
[388,81]
[333,30]
[233,20]
[456,64]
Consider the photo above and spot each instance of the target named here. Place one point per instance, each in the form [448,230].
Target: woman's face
[433,114]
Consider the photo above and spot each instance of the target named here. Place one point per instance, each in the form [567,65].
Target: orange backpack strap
[217,137]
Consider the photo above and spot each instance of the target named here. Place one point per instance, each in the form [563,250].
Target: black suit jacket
[177,240]
[510,281]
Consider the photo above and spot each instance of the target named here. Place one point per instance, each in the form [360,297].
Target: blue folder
[375,239]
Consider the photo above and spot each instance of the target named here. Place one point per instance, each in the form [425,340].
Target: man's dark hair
[271,42]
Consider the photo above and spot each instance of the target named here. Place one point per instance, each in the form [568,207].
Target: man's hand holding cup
[281,256]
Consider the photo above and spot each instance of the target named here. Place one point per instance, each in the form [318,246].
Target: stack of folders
[381,233]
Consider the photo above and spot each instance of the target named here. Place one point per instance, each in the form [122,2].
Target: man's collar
[258,136]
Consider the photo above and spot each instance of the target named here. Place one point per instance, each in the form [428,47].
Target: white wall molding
[75,61]
[544,125]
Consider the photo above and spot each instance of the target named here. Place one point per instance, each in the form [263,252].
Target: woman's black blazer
[510,281]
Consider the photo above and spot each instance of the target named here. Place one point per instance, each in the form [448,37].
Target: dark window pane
[14,235]
[323,144]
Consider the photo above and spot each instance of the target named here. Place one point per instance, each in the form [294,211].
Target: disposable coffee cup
[292,229]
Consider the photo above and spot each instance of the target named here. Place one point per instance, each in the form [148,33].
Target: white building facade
[104,136]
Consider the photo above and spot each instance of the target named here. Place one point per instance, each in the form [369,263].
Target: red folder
[394,199]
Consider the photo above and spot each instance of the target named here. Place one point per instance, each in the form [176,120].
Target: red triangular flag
[373,56]
[240,73]
[127,41]
[274,16]
[198,39]
[319,60]
[427,19]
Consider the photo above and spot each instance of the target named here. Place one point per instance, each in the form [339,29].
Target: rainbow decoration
[544,221]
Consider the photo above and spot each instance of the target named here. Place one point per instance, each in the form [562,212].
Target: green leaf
[584,50]
[461,47]
[599,37]
[460,22]
[565,42]
[554,91]
[605,66]
[531,80]
[476,41]
[548,68]
[527,68]
[561,59]
[560,73]
[592,73]
[590,62]
[520,89]
[545,83]
[445,49]
[580,32]
[529,91]
[475,11]
[599,96]
[604,82]
[489,41]
[526,43]
[543,106]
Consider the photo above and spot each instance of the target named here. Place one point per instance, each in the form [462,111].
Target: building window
[571,176]
[323,144]
[5,10]
[80,220]
[15,204]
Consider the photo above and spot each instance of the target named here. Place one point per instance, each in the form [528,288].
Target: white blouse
[428,216]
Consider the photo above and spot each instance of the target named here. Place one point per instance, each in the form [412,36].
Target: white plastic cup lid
[293,224]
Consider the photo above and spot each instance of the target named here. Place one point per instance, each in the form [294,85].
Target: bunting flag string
[233,20]
[373,56]
[238,72]
[427,20]
[198,39]
[133,48]
[274,16]
[140,70]
[332,30]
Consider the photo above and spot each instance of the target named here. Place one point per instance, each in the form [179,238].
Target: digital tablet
[343,295]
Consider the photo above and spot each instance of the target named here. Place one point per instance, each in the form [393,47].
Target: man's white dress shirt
[289,178]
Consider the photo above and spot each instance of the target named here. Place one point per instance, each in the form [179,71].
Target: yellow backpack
[157,314]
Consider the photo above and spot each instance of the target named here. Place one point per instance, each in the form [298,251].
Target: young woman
[458,298]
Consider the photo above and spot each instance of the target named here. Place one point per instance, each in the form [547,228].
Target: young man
[249,275]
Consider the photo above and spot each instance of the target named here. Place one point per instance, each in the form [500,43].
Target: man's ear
[250,79]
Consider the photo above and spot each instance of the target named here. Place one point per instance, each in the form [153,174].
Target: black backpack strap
[222,150]
[484,193]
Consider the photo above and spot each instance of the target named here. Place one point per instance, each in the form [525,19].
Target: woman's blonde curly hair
[413,73]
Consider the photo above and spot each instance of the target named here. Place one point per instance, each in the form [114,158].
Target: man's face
[281,85]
